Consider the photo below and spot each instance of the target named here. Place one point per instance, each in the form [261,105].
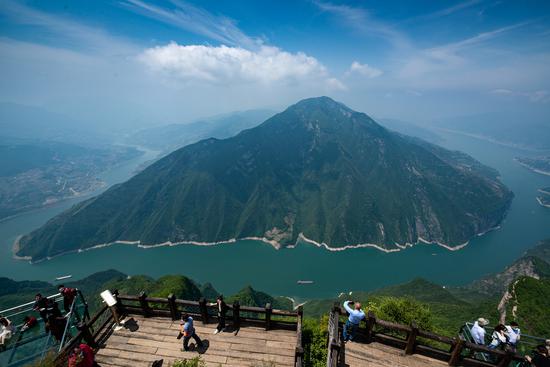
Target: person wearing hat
[478,330]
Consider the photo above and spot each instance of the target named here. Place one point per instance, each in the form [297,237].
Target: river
[230,267]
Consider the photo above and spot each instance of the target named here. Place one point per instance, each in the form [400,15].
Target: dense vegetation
[433,307]
[532,299]
[318,168]
[14,293]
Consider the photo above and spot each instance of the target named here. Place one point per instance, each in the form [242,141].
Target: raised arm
[347,307]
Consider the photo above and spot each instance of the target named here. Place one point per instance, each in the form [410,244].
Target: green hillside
[318,168]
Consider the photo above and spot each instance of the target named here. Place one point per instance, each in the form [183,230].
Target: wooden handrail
[411,344]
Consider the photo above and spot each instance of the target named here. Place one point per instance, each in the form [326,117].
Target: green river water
[230,267]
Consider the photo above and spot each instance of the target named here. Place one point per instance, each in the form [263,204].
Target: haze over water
[232,266]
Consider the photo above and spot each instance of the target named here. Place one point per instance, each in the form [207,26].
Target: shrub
[194,362]
[314,340]
[402,311]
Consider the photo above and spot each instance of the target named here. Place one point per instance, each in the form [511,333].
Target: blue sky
[131,63]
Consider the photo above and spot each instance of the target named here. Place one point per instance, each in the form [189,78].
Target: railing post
[203,310]
[86,334]
[411,340]
[299,351]
[268,312]
[371,321]
[144,304]
[456,352]
[172,306]
[505,361]
[236,315]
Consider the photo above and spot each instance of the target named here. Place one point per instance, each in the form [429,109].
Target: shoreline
[532,169]
[276,245]
[541,203]
[493,140]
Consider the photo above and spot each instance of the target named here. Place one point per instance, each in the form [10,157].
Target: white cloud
[364,69]
[223,64]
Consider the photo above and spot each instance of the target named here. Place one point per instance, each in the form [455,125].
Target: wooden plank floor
[380,355]
[155,338]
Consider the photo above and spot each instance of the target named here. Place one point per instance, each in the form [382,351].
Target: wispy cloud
[449,57]
[445,11]
[538,96]
[196,20]
[74,35]
[361,20]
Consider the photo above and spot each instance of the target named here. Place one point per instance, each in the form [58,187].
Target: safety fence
[455,351]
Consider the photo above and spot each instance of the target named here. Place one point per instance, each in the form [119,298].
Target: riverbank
[541,203]
[531,168]
[276,245]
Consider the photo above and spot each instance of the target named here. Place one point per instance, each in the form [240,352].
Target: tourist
[188,331]
[41,306]
[56,326]
[514,335]
[540,357]
[498,338]
[352,324]
[82,356]
[7,329]
[222,309]
[69,295]
[478,331]
[29,322]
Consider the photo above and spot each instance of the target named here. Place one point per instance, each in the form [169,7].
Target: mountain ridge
[318,168]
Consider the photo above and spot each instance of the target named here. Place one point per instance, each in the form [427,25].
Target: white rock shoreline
[276,245]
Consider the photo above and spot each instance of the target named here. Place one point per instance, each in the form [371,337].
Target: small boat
[64,277]
[305,282]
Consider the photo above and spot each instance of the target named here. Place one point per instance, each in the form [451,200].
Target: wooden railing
[455,351]
[92,332]
[206,312]
[334,342]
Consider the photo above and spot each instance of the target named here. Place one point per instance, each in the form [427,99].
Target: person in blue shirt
[355,317]
[188,331]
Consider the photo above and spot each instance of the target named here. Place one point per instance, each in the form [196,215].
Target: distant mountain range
[318,169]
[168,138]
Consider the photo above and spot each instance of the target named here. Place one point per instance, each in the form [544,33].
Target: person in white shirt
[7,329]
[514,334]
[478,330]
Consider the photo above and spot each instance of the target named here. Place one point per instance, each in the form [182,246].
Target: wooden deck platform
[155,338]
[380,355]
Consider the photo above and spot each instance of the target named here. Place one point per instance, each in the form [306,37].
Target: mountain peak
[322,102]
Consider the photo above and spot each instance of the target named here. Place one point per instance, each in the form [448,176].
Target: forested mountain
[317,169]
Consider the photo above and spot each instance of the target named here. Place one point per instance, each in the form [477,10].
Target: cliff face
[535,263]
[317,169]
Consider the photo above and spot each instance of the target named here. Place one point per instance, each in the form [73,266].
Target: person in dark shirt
[222,309]
[41,306]
[540,357]
[56,326]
